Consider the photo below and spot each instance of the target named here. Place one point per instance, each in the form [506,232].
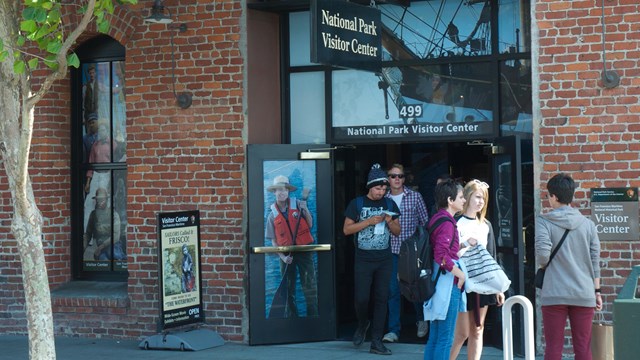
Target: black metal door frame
[505,156]
[264,327]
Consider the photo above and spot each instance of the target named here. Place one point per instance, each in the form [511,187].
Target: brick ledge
[90,294]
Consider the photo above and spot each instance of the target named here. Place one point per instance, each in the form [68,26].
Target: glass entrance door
[511,164]
[291,242]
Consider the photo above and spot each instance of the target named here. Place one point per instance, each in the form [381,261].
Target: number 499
[413,110]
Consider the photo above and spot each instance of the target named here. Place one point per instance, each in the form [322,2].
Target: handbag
[484,274]
[539,280]
[601,339]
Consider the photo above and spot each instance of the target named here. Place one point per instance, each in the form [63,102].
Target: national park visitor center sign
[346,35]
[615,213]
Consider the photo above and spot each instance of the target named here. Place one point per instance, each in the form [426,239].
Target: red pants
[554,319]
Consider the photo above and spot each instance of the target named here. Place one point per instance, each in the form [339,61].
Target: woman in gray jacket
[572,280]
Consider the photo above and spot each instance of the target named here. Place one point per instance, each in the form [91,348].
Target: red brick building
[524,100]
[585,128]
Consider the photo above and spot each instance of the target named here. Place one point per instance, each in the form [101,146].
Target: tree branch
[30,100]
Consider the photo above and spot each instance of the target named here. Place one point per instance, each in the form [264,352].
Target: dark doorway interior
[423,164]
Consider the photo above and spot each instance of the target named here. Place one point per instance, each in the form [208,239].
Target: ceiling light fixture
[157,14]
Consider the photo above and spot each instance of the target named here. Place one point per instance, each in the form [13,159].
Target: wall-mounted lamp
[610,78]
[158,16]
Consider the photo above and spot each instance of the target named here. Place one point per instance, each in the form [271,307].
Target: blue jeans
[441,331]
[395,300]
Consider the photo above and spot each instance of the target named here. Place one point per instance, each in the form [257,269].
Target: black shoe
[360,334]
[377,347]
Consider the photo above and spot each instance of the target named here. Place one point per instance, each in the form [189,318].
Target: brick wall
[184,159]
[177,160]
[586,130]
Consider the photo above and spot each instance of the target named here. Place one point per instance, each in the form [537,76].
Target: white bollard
[507,324]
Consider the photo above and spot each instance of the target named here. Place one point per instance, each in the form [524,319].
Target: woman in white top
[473,229]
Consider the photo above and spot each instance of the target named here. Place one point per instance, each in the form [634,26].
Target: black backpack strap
[359,205]
[437,223]
[389,204]
[432,229]
[423,249]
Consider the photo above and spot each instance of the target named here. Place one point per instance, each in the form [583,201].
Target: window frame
[495,59]
[99,49]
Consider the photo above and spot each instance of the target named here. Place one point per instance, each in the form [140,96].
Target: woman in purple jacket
[442,309]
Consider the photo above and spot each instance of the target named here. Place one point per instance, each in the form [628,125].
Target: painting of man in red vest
[289,222]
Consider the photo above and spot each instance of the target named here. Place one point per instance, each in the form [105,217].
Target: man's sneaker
[377,347]
[390,337]
[360,334]
[423,328]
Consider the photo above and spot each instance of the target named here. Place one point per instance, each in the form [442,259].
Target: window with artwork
[99,159]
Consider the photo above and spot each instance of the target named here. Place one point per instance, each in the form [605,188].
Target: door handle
[292,248]
[524,244]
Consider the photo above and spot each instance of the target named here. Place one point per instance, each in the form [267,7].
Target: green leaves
[18,67]
[29,26]
[73,60]
[103,26]
[41,23]
[54,47]
[33,63]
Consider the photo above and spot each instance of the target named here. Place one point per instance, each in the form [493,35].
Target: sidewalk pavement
[16,347]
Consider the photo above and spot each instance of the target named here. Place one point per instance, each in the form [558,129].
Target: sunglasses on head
[393,176]
[481,183]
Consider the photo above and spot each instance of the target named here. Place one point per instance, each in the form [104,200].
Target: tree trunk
[26,229]
[35,282]
[16,128]
[17,103]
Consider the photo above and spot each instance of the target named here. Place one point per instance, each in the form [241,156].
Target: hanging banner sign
[615,213]
[179,268]
[346,35]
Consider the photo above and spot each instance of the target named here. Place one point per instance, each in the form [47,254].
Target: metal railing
[507,327]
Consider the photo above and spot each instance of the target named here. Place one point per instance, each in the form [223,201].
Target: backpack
[415,267]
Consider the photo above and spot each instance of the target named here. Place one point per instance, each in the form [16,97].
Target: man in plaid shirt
[413,213]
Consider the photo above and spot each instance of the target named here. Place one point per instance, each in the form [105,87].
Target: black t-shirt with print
[372,244]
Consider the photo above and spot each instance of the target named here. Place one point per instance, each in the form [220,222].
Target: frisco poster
[179,246]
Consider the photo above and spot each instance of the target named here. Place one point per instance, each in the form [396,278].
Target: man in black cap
[372,218]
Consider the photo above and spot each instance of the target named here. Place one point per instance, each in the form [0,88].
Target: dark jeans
[303,262]
[395,301]
[375,273]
